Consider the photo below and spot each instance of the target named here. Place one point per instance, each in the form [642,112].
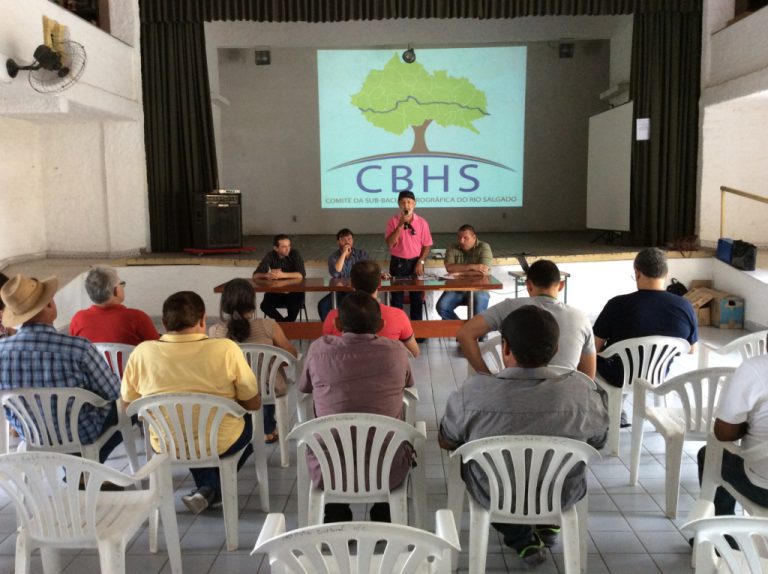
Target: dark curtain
[665,87]
[347,10]
[178,128]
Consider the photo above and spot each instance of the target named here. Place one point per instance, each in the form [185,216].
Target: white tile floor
[628,532]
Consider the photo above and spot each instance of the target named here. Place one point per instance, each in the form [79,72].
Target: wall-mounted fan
[53,70]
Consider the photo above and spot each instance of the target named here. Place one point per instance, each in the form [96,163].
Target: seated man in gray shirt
[576,348]
[526,398]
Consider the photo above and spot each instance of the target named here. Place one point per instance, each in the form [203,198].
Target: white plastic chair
[712,478]
[643,357]
[525,476]
[690,418]
[750,534]
[49,421]
[747,346]
[306,406]
[54,514]
[181,422]
[490,351]
[331,440]
[266,361]
[379,548]
[116,355]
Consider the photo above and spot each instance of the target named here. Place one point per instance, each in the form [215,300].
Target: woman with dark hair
[4,331]
[239,323]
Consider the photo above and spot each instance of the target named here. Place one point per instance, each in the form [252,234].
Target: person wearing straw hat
[39,356]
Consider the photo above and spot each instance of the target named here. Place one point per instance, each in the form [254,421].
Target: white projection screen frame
[609,169]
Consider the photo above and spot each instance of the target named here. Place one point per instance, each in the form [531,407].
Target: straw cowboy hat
[25,297]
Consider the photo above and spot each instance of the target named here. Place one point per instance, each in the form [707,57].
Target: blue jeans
[733,473]
[449,300]
[210,476]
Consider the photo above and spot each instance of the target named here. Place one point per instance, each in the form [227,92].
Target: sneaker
[535,554]
[200,499]
[548,534]
[624,420]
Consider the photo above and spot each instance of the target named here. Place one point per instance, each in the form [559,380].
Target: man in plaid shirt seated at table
[39,356]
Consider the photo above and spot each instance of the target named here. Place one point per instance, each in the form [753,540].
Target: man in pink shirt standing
[409,241]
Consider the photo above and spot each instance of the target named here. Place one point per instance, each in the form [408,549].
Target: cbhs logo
[402,96]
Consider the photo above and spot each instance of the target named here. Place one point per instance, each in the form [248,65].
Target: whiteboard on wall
[609,169]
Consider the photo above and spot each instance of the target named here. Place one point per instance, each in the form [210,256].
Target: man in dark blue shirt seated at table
[279,264]
[340,264]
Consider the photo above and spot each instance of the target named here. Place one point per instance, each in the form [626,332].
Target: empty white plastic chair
[54,514]
[187,426]
[712,478]
[337,441]
[747,346]
[525,477]
[643,357]
[713,553]
[266,361]
[689,415]
[49,416]
[325,549]
[490,351]
[116,355]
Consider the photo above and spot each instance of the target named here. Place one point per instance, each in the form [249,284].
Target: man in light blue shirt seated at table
[340,264]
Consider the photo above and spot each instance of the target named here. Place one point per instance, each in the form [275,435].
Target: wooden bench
[422,329]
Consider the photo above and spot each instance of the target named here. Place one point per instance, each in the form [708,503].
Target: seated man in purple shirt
[358,372]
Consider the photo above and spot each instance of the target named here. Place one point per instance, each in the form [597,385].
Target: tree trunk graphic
[419,143]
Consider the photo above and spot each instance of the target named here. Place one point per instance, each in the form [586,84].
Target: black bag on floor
[743,255]
[677,288]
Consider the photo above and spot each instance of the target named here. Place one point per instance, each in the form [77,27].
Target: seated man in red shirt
[108,320]
[365,276]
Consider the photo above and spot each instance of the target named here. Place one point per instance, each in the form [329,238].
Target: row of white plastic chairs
[682,408]
[526,476]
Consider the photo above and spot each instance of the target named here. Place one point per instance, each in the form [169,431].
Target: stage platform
[560,246]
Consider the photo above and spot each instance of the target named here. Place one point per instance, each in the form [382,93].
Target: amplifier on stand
[218,222]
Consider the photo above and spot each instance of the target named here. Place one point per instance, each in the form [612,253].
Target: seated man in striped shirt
[39,356]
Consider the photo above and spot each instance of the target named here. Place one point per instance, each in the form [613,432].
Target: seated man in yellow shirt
[187,361]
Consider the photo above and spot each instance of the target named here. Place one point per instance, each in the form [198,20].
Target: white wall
[267,125]
[72,164]
[733,144]
[22,220]
[590,286]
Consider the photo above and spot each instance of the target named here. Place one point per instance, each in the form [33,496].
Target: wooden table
[468,283]
[421,329]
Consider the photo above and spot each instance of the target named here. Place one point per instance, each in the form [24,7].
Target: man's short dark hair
[359,313]
[182,310]
[652,262]
[467,227]
[278,238]
[343,233]
[531,333]
[365,276]
[543,273]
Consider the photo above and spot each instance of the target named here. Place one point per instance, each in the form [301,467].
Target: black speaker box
[218,221]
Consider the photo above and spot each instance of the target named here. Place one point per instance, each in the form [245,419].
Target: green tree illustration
[406,95]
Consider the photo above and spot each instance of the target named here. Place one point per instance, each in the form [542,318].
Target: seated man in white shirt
[742,413]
